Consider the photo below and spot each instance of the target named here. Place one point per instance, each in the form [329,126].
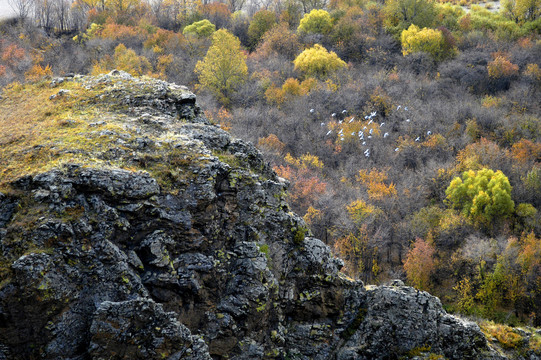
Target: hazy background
[5,9]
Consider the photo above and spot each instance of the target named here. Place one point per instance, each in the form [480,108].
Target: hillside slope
[131,228]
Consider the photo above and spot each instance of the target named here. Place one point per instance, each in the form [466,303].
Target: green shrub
[481,195]
[203,28]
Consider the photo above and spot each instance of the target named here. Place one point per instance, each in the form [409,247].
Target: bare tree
[62,11]
[235,5]
[21,7]
[43,13]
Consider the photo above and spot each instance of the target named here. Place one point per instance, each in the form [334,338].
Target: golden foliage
[426,40]
[306,161]
[224,67]
[526,150]
[533,71]
[317,61]
[37,72]
[491,101]
[506,336]
[359,210]
[272,143]
[501,67]
[374,182]
[366,177]
[318,21]
[312,215]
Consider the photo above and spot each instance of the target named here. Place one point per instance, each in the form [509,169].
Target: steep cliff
[131,228]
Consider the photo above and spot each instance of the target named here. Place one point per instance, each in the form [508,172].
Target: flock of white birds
[365,137]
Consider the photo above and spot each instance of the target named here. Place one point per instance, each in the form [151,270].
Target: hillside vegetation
[410,131]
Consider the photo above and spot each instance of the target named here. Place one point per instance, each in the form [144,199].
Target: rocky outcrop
[174,241]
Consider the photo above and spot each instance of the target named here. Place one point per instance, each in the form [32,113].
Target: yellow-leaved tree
[316,22]
[522,10]
[224,68]
[426,40]
[317,61]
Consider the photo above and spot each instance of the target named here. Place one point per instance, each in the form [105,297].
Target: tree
[426,40]
[420,264]
[235,5]
[308,5]
[481,195]
[262,22]
[318,61]
[203,28]
[217,13]
[224,67]
[400,14]
[280,40]
[316,22]
[501,67]
[521,11]
[21,7]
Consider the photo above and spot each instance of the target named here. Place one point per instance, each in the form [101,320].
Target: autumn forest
[409,130]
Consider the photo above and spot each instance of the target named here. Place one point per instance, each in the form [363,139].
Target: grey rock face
[201,260]
[141,329]
[395,320]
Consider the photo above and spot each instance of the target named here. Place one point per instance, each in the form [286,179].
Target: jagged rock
[141,329]
[395,320]
[7,208]
[170,239]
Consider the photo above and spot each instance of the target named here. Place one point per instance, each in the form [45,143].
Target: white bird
[370,122]
[373,114]
[429,132]
[367,151]
[385,135]
[340,122]
[418,138]
[364,128]
[341,131]
[341,139]
[408,120]
[380,125]
[369,136]
[333,114]
[366,117]
[398,107]
[322,124]
[370,132]
[312,111]
[396,149]
[406,108]
[329,132]
[364,142]
[344,111]
[353,133]
[353,118]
